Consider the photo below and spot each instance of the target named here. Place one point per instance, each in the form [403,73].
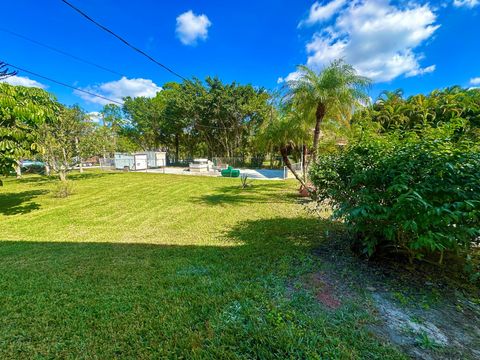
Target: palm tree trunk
[288,164]
[319,115]
[304,161]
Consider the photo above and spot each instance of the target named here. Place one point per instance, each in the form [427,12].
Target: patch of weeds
[278,317]
[417,320]
[424,341]
[472,268]
[245,183]
[63,189]
[402,298]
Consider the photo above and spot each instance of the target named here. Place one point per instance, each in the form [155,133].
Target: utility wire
[59,51]
[195,124]
[122,40]
[64,84]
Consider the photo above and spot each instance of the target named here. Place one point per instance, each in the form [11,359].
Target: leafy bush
[416,192]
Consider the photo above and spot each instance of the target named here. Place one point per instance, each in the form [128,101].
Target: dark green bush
[416,192]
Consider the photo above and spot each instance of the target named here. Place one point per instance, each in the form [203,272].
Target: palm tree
[333,93]
[284,133]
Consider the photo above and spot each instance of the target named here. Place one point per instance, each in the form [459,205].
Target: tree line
[400,172]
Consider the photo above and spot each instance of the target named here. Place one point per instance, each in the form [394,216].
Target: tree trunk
[62,173]
[288,164]
[114,143]
[18,169]
[47,168]
[54,164]
[63,167]
[177,145]
[304,162]
[79,158]
[319,115]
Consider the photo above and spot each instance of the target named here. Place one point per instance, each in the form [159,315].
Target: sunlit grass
[150,266]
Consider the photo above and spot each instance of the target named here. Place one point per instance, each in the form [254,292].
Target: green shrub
[416,192]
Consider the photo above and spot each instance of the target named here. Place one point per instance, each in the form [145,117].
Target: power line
[60,51]
[64,84]
[123,40]
[195,124]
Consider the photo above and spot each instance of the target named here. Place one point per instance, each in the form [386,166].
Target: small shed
[131,161]
[156,159]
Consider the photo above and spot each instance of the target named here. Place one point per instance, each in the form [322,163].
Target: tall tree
[144,120]
[391,111]
[62,140]
[112,122]
[206,118]
[22,111]
[333,93]
[284,133]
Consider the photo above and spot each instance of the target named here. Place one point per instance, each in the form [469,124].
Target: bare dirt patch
[422,310]
[324,289]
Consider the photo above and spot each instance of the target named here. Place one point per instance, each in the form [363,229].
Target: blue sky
[414,45]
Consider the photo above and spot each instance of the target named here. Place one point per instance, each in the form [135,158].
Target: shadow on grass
[40,180]
[84,290]
[266,237]
[299,231]
[19,202]
[258,193]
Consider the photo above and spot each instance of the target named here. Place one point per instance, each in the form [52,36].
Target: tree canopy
[207,118]
[22,111]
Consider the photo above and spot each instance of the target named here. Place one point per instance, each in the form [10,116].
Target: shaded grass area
[151,266]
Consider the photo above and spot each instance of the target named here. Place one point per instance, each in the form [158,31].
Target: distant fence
[218,162]
[298,167]
[252,162]
[107,164]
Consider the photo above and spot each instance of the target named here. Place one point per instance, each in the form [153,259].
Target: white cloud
[95,116]
[191,27]
[23,81]
[117,90]
[319,13]
[290,77]
[379,39]
[475,81]
[466,3]
[415,72]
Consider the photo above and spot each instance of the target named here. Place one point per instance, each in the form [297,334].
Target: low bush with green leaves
[416,192]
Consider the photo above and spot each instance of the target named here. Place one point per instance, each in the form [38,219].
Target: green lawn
[152,266]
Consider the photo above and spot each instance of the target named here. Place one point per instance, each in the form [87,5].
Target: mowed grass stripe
[149,266]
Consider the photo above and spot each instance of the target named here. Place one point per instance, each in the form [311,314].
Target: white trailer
[156,159]
[133,162]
